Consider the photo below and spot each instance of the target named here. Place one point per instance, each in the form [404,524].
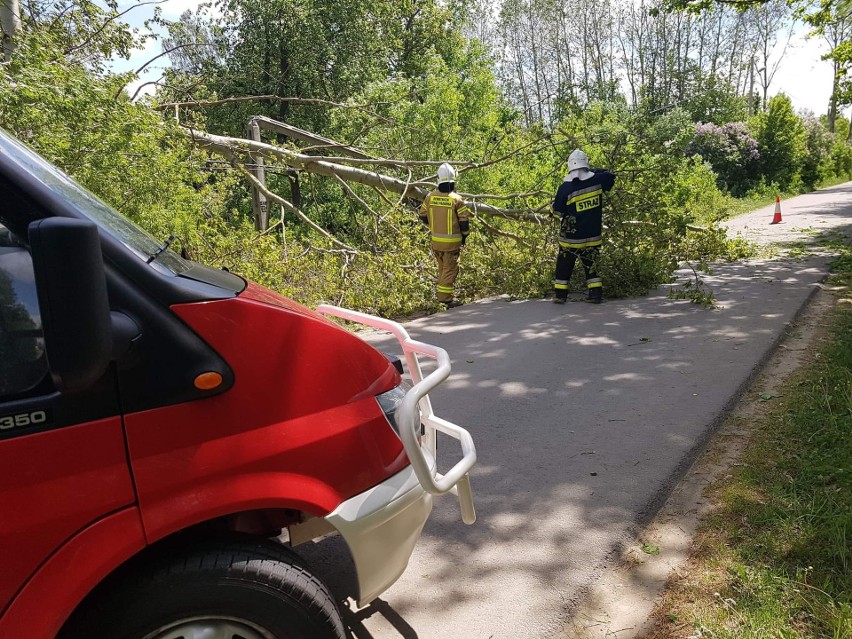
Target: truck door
[63,462]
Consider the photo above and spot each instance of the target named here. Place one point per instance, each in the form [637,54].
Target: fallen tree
[347,207]
[233,149]
[247,156]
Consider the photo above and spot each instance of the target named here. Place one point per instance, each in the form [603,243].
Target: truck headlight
[390,401]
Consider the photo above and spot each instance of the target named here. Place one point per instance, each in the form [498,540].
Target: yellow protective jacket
[448,218]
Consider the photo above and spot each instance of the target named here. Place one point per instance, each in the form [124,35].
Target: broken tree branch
[230,146]
[511,196]
[295,133]
[482,165]
[689,227]
[383,197]
[93,36]
[351,193]
[394,163]
[254,98]
[287,205]
[157,57]
[274,98]
[361,157]
[497,231]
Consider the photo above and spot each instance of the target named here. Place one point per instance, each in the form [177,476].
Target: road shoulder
[622,602]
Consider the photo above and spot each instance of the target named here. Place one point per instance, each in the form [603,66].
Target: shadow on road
[584,417]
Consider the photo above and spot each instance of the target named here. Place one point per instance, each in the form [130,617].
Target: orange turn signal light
[208,381]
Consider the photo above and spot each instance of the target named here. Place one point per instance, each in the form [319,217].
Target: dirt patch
[632,600]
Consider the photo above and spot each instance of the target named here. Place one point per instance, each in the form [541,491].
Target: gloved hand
[464,239]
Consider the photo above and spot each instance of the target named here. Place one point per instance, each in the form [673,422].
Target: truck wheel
[233,590]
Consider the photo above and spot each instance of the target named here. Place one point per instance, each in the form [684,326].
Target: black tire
[258,585]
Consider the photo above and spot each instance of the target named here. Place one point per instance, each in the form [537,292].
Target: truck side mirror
[72,299]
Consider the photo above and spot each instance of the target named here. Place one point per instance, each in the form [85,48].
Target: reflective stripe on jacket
[443,212]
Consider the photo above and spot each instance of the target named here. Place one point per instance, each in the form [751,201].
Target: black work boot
[595,296]
[560,300]
[452,304]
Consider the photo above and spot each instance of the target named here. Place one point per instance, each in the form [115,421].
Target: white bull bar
[408,418]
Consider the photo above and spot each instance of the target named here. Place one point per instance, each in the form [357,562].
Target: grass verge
[775,558]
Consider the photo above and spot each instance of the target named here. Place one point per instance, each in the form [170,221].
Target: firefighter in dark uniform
[579,202]
[448,219]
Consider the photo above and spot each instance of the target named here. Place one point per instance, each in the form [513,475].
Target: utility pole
[259,204]
[10,25]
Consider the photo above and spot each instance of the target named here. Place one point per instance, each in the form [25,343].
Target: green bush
[782,143]
[817,163]
[841,159]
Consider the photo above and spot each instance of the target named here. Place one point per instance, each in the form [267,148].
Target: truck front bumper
[381,527]
[382,524]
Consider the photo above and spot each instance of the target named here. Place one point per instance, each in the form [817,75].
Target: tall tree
[326,49]
[833,21]
[770,28]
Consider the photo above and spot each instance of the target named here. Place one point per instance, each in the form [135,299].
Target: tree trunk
[831,117]
[295,190]
[832,101]
[233,148]
[10,25]
[751,87]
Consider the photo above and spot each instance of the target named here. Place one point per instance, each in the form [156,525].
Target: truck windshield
[133,237]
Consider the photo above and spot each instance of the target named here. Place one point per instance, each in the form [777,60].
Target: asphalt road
[584,418]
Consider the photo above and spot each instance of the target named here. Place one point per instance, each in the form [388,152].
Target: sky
[802,75]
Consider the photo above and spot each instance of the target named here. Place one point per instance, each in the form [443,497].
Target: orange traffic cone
[776,219]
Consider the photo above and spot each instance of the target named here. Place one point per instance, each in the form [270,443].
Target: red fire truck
[169,431]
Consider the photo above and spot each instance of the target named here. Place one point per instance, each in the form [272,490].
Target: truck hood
[263,295]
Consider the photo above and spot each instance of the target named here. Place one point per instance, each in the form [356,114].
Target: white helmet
[578,160]
[446,173]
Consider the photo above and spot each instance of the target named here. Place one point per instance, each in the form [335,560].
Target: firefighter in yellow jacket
[448,218]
